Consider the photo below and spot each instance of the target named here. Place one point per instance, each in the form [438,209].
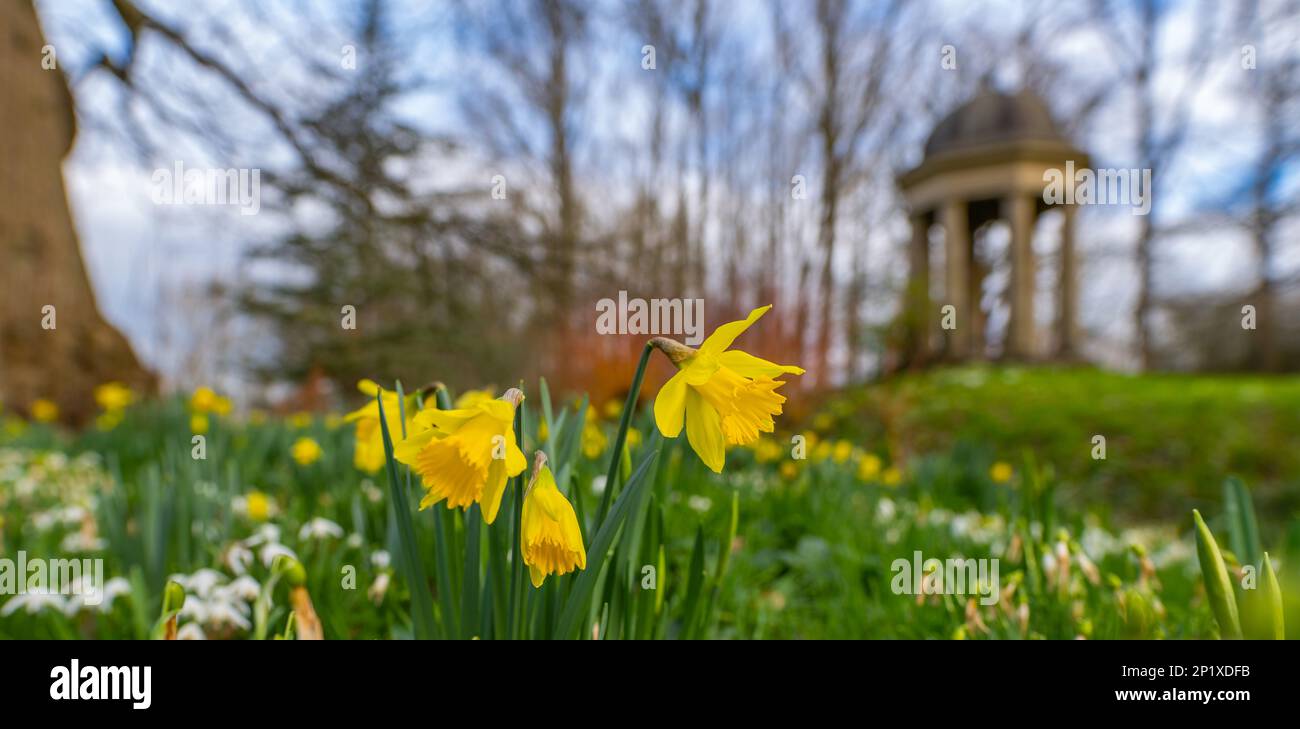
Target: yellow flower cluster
[113,399]
[205,402]
[466,455]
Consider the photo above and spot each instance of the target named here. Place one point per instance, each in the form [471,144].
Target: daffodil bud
[550,539]
[514,396]
[173,597]
[675,351]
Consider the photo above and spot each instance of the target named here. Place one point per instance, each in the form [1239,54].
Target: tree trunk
[58,353]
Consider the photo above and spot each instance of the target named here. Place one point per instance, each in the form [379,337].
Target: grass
[770,548]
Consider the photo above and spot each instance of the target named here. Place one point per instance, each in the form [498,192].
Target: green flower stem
[516,556]
[421,602]
[617,453]
[442,559]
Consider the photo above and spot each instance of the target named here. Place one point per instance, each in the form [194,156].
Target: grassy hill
[1169,439]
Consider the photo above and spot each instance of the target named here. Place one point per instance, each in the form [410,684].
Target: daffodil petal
[747,365]
[516,462]
[723,336]
[445,420]
[410,447]
[490,502]
[499,409]
[670,406]
[704,431]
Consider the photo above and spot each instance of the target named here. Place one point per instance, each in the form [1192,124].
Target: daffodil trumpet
[465,456]
[549,537]
[724,396]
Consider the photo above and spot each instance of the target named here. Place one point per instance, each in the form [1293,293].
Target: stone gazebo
[986,161]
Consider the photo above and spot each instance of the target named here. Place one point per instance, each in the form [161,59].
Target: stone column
[1018,209]
[917,301]
[956,227]
[1067,290]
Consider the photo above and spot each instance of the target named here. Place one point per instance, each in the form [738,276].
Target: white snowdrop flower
[1095,540]
[273,550]
[233,614]
[195,609]
[238,557]
[598,485]
[113,589]
[893,534]
[239,505]
[43,521]
[72,515]
[372,492]
[380,559]
[82,542]
[1049,563]
[379,588]
[32,603]
[202,583]
[354,540]
[265,534]
[960,526]
[244,588]
[699,503]
[190,631]
[885,509]
[1036,529]
[320,528]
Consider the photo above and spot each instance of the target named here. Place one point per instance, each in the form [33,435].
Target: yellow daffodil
[205,400]
[634,437]
[613,409]
[822,451]
[302,421]
[472,398]
[767,450]
[869,467]
[44,411]
[892,476]
[549,537]
[726,397]
[465,456]
[108,420]
[842,452]
[594,440]
[789,470]
[198,424]
[368,455]
[113,396]
[1001,472]
[259,506]
[306,451]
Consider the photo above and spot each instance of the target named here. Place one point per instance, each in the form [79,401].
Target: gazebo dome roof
[993,118]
